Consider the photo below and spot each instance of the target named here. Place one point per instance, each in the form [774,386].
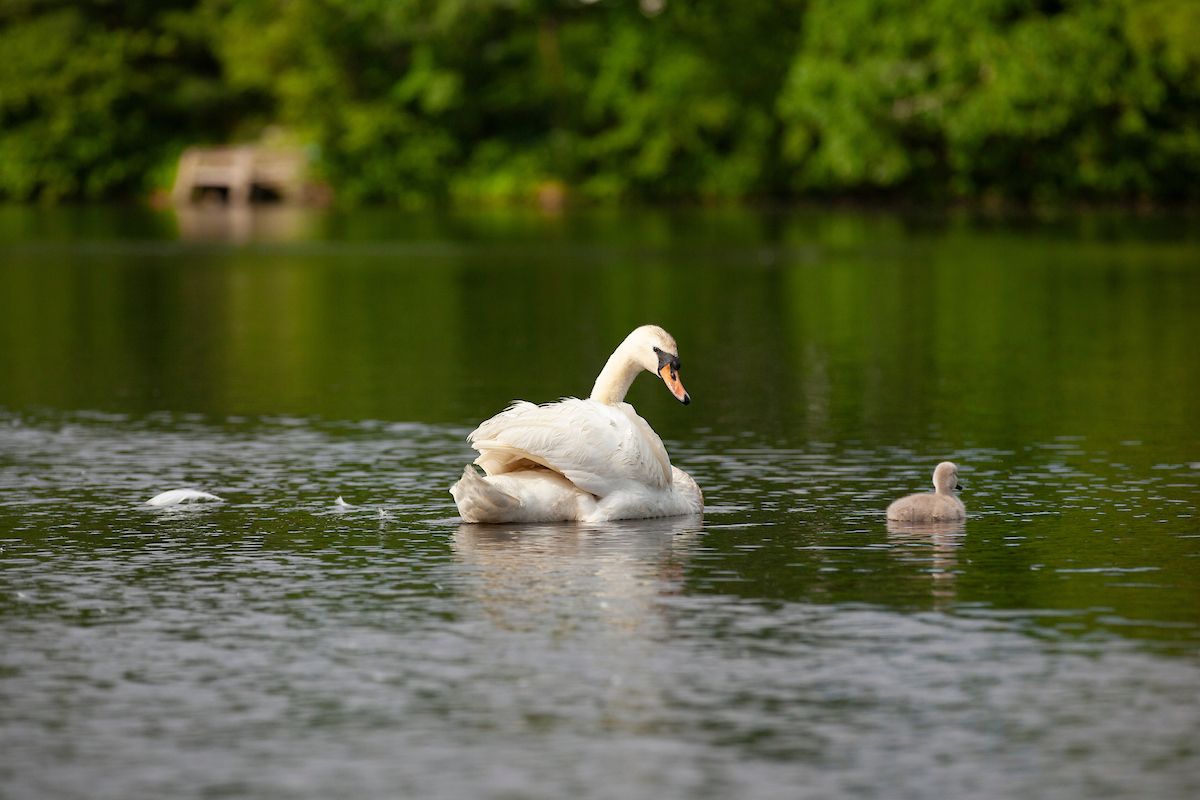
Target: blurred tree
[681,105]
[412,100]
[366,80]
[1019,98]
[418,101]
[95,95]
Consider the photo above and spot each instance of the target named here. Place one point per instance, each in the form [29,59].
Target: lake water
[789,644]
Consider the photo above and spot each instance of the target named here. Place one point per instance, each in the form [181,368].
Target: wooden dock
[241,175]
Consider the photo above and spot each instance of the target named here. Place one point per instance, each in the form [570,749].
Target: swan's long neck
[615,379]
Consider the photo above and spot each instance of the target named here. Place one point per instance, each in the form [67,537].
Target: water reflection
[935,544]
[243,224]
[786,641]
[549,577]
[749,650]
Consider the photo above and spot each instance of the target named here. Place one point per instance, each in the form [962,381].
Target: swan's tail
[480,501]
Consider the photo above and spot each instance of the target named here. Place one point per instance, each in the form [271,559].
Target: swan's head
[655,350]
[945,477]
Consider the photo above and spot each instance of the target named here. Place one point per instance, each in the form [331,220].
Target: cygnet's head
[655,350]
[945,477]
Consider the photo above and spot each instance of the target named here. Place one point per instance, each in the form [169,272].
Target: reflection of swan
[944,538]
[941,504]
[584,607]
[542,577]
[582,460]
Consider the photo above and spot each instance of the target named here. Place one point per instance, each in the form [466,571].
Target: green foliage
[1019,98]
[418,101]
[94,95]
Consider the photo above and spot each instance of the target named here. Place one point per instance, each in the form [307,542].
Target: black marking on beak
[957,486]
[667,358]
[668,363]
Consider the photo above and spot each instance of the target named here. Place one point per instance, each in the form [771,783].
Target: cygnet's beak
[669,372]
[957,486]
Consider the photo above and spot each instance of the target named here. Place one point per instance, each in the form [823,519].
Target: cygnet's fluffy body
[941,504]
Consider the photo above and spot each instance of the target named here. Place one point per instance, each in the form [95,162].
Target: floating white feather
[174,497]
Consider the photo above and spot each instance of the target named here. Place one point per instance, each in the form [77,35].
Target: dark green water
[787,644]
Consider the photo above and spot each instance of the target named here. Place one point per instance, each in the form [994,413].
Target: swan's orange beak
[670,376]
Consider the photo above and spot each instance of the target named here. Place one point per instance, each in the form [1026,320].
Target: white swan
[582,460]
[938,505]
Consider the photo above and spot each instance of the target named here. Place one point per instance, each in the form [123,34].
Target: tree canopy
[424,101]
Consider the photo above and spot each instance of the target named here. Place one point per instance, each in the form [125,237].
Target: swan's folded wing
[597,447]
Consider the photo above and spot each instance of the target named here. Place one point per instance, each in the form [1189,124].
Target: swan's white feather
[600,448]
[174,497]
[520,496]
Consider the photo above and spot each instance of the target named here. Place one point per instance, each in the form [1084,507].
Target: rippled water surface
[789,643]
